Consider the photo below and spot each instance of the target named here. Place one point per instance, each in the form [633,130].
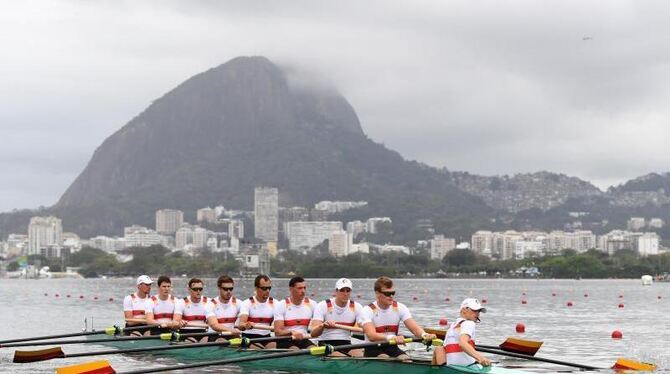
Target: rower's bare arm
[464,343]
[372,334]
[279,328]
[316,328]
[244,325]
[150,319]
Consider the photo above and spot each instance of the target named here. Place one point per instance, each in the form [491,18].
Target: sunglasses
[387,293]
[196,289]
[268,288]
[345,289]
[226,288]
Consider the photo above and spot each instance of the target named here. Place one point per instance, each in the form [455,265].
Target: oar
[57,352]
[515,345]
[114,330]
[164,336]
[104,367]
[620,364]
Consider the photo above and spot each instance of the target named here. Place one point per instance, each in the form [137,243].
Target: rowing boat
[308,363]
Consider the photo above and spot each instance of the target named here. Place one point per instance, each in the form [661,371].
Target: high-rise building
[139,236]
[168,221]
[440,246]
[306,235]
[236,229]
[339,243]
[266,211]
[636,223]
[43,232]
[206,215]
[355,227]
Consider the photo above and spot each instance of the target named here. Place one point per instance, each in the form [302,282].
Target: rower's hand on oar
[297,335]
[427,337]
[484,361]
[399,339]
[330,324]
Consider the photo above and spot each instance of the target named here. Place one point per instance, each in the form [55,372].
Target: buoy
[620,305]
[46,294]
[616,334]
[658,297]
[553,294]
[443,321]
[111,299]
[586,295]
[523,293]
[569,303]
[311,295]
[447,299]
[95,298]
[415,298]
[68,296]
[484,301]
[524,302]
[520,328]
[57,295]
[620,296]
[359,296]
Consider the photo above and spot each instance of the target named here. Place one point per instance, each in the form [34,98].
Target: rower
[160,308]
[225,307]
[193,311]
[257,313]
[292,316]
[381,321]
[134,305]
[459,342]
[334,319]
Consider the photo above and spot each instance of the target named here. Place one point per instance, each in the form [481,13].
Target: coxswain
[160,308]
[459,342]
[257,313]
[381,322]
[225,307]
[134,305]
[335,319]
[193,311]
[293,315]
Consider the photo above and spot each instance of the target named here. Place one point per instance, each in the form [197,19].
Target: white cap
[473,304]
[343,283]
[144,279]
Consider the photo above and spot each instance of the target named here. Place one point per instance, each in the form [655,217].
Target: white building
[107,244]
[656,223]
[647,244]
[393,248]
[339,243]
[206,215]
[338,206]
[354,228]
[482,242]
[636,223]
[168,221]
[200,236]
[306,235]
[374,224]
[17,244]
[139,236]
[266,213]
[440,246]
[43,232]
[360,248]
[236,229]
[526,248]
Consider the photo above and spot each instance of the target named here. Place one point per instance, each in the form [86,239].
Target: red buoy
[586,295]
[484,301]
[415,298]
[616,334]
[81,296]
[57,295]
[111,299]
[95,298]
[520,328]
[620,305]
[523,293]
[447,299]
[553,294]
[658,297]
[443,321]
[569,303]
[359,296]
[620,296]
[46,294]
[68,296]
[524,302]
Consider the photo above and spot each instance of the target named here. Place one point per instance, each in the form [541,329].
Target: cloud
[488,87]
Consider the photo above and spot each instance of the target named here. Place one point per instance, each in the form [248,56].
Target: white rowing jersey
[295,317]
[226,313]
[191,311]
[258,312]
[386,321]
[455,354]
[328,310]
[163,310]
[136,305]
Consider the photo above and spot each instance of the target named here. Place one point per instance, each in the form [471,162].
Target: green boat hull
[312,364]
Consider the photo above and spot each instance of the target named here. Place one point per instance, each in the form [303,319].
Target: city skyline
[522,87]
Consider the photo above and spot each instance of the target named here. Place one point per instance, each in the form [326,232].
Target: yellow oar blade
[95,367]
[527,347]
[39,355]
[626,364]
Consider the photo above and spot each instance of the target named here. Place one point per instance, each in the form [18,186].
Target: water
[580,333]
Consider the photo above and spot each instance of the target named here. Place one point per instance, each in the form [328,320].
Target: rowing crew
[332,320]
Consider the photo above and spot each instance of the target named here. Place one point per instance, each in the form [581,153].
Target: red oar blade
[527,347]
[626,364]
[39,355]
[95,367]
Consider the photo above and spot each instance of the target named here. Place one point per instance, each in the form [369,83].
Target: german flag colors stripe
[528,347]
[625,364]
[95,367]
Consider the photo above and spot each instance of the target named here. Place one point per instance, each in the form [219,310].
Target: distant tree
[13,266]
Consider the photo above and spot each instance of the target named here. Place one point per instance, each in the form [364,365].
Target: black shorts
[160,330]
[336,343]
[130,329]
[390,350]
[288,343]
[257,336]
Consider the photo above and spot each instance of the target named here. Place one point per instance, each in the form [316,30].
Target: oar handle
[535,358]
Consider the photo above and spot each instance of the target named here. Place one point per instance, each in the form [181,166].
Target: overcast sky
[490,87]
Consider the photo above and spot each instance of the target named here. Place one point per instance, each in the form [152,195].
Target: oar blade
[39,355]
[438,332]
[527,347]
[626,364]
[94,367]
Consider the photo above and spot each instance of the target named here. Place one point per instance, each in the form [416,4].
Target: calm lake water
[580,333]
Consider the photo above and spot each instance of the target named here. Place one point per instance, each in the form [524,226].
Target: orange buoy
[520,328]
[443,321]
[616,334]
[620,305]
[569,303]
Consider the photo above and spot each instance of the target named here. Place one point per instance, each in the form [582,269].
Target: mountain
[219,134]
